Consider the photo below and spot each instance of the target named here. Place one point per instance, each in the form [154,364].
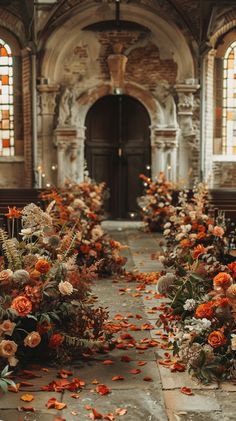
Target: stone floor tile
[201,401]
[195,416]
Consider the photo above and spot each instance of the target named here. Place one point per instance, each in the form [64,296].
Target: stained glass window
[6,101]
[229,102]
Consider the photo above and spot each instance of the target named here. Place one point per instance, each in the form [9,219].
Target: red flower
[205,311]
[198,250]
[85,248]
[56,340]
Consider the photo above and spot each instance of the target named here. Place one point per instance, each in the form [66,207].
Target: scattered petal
[115,378]
[135,371]
[148,379]
[27,397]
[109,417]
[94,415]
[121,411]
[102,389]
[108,362]
[186,390]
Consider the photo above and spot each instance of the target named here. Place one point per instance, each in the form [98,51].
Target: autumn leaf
[102,389]
[59,419]
[109,417]
[63,374]
[125,359]
[178,367]
[148,379]
[121,411]
[53,403]
[141,363]
[27,397]
[27,374]
[135,371]
[108,362]
[75,395]
[14,388]
[186,390]
[94,415]
[147,326]
[115,378]
[95,381]
[27,408]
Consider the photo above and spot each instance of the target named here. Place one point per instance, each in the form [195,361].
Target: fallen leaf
[88,407]
[14,388]
[102,389]
[27,408]
[63,374]
[178,367]
[108,362]
[125,359]
[186,391]
[94,415]
[141,363]
[27,397]
[46,370]
[95,381]
[53,403]
[59,419]
[148,379]
[115,378]
[135,371]
[121,411]
[75,395]
[109,417]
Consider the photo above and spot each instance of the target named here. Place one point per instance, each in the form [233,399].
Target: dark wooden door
[118,150]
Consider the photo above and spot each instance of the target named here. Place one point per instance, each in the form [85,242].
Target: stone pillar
[70,153]
[188,139]
[46,152]
[164,142]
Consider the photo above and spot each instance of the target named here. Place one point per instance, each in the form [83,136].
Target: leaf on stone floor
[75,395]
[167,362]
[27,374]
[26,408]
[141,347]
[121,346]
[64,374]
[121,411]
[102,389]
[27,397]
[53,403]
[141,363]
[147,326]
[59,419]
[88,407]
[138,317]
[95,381]
[134,371]
[94,415]
[126,359]
[186,390]
[109,417]
[148,379]
[178,367]
[118,317]
[108,362]
[14,388]
[115,378]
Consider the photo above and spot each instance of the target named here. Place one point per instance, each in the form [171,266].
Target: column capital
[48,94]
[164,138]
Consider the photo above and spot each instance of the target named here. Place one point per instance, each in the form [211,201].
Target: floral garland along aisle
[46,309]
[200,281]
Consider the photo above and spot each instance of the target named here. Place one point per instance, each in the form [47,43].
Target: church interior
[131,103]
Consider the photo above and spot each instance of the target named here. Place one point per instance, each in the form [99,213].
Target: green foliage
[4,379]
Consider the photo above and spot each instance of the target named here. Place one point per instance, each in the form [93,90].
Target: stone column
[164,144]
[70,153]
[188,140]
[46,152]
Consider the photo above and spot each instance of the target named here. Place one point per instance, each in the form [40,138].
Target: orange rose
[201,236]
[185,243]
[43,266]
[216,339]
[5,276]
[56,340]
[22,305]
[198,250]
[7,348]
[222,280]
[204,311]
[84,248]
[32,340]
[218,231]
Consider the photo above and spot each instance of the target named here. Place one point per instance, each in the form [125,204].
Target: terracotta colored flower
[56,340]
[44,327]
[22,305]
[201,236]
[232,267]
[13,213]
[84,248]
[221,302]
[33,293]
[7,327]
[35,275]
[197,251]
[185,243]
[216,339]
[43,266]
[222,280]
[32,340]
[201,228]
[5,276]
[205,310]
[218,231]
[7,348]
[98,246]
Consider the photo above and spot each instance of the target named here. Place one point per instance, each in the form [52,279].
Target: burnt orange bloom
[43,266]
[185,243]
[35,275]
[201,228]
[222,280]
[198,250]
[201,236]
[232,267]
[55,340]
[221,302]
[85,248]
[98,246]
[44,327]
[22,305]
[216,339]
[204,310]
[13,213]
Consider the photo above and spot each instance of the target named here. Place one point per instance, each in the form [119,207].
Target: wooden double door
[117,150]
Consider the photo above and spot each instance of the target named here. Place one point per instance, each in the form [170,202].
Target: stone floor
[158,399]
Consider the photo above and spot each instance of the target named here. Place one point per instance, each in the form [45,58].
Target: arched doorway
[117,149]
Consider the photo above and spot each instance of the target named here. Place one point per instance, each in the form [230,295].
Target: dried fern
[10,251]
[73,341]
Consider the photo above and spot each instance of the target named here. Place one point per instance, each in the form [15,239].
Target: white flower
[198,325]
[190,304]
[161,205]
[167,225]
[186,228]
[192,214]
[65,288]
[179,236]
[26,232]
[96,233]
[233,342]
[161,259]
[13,361]
[166,232]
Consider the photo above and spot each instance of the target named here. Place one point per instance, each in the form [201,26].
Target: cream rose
[5,276]
[7,348]
[233,342]
[65,288]
[32,339]
[7,327]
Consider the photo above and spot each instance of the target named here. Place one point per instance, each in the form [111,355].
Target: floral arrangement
[156,201]
[200,315]
[45,306]
[78,208]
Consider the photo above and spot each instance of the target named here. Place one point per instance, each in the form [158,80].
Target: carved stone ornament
[47,98]
[165,139]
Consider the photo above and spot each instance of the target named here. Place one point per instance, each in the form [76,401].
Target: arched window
[229,101]
[6,101]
